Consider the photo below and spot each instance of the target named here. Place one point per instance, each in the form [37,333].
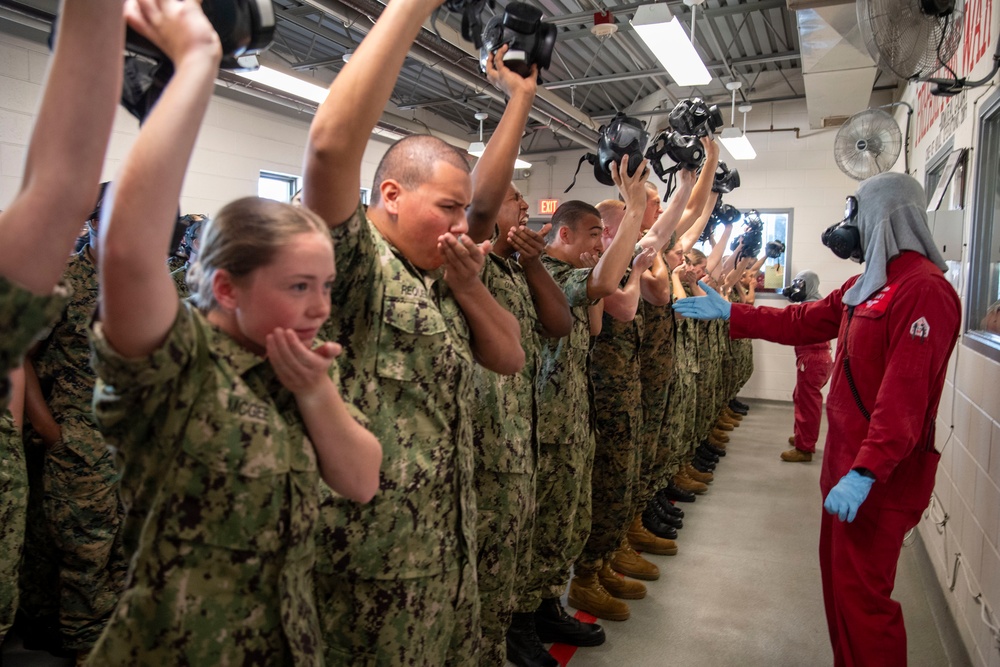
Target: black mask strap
[589,157]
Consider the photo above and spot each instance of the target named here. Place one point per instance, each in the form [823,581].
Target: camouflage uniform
[743,353]
[180,280]
[222,487]
[80,482]
[174,263]
[23,317]
[566,447]
[503,434]
[656,372]
[13,509]
[678,431]
[396,578]
[707,383]
[614,373]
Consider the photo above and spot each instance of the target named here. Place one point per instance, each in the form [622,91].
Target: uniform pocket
[406,347]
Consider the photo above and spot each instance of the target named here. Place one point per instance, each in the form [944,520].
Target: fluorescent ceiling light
[665,37]
[477,148]
[272,78]
[737,144]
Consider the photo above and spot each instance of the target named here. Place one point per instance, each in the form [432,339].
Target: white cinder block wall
[236,142]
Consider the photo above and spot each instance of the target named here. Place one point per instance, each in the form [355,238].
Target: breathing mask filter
[530,39]
[693,117]
[623,136]
[672,151]
[245,28]
[844,238]
[796,292]
[726,179]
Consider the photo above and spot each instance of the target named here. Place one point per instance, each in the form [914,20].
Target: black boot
[739,406]
[673,492]
[657,526]
[701,465]
[711,449]
[668,506]
[524,648]
[665,511]
[554,625]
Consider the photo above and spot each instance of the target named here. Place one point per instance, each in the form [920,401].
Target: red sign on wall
[547,206]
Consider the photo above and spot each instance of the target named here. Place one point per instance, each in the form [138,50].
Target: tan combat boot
[616,584]
[631,564]
[719,435]
[685,483]
[697,475]
[587,594]
[796,456]
[731,415]
[791,440]
[639,537]
[724,424]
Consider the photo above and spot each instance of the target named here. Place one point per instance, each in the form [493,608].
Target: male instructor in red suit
[896,325]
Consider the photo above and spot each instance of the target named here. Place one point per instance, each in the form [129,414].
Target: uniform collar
[223,346]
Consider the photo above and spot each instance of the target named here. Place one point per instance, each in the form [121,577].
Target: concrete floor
[744,591]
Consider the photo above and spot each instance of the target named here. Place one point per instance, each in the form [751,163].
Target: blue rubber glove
[845,498]
[710,307]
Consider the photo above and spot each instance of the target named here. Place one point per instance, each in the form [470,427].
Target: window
[279,187]
[983,322]
[777,227]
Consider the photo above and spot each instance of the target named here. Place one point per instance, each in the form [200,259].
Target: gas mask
[722,214]
[774,249]
[472,22]
[695,118]
[531,40]
[753,235]
[726,179]
[245,28]
[796,292]
[623,136]
[682,152]
[844,238]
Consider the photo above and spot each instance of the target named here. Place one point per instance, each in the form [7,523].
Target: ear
[224,290]
[564,234]
[390,191]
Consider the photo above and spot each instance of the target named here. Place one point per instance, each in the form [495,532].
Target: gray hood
[811,281]
[891,219]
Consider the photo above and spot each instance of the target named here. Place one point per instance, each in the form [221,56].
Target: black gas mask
[844,238]
[245,28]
[726,179]
[774,249]
[531,40]
[796,292]
[695,118]
[623,136]
[680,151]
[722,214]
[753,236]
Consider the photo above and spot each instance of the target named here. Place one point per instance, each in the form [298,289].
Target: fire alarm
[604,24]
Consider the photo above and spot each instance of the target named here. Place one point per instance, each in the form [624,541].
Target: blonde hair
[695,257]
[245,236]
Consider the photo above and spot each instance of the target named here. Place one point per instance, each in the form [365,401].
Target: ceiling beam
[676,8]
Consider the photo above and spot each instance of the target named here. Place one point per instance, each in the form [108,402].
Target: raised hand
[177,27]
[507,80]
[301,370]
[633,188]
[529,244]
[644,260]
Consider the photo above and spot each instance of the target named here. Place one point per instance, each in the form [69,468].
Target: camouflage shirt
[563,381]
[23,318]
[616,348]
[220,484]
[503,415]
[63,359]
[407,367]
[174,262]
[179,276]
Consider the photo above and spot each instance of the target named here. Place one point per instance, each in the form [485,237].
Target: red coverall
[898,342]
[812,370]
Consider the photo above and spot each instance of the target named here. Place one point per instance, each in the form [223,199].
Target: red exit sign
[547,206]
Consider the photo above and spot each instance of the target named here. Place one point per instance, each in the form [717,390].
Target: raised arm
[343,124]
[702,192]
[492,173]
[715,257]
[693,233]
[659,234]
[138,301]
[605,277]
[550,301]
[624,303]
[39,227]
[655,285]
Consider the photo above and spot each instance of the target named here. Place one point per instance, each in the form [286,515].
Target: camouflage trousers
[707,409]
[678,426]
[505,504]
[426,622]
[13,513]
[84,516]
[615,474]
[656,387]
[562,519]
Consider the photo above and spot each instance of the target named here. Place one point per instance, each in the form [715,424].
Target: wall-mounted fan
[867,144]
[913,39]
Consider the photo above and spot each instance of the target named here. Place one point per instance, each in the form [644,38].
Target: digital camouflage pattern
[566,446]
[13,513]
[23,318]
[503,421]
[221,485]
[614,372]
[708,379]
[407,367]
[656,371]
[179,277]
[174,263]
[80,503]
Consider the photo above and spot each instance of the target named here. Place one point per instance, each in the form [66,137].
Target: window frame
[776,292]
[290,180]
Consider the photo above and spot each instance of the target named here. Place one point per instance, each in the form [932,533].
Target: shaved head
[411,160]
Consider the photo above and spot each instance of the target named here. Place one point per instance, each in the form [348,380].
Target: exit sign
[547,206]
